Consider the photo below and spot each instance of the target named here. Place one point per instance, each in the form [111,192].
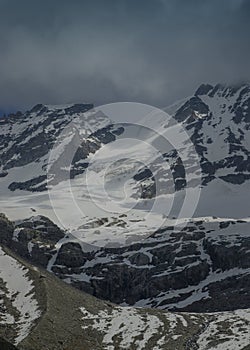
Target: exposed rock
[30,185]
[4,345]
[35,239]
[175,263]
[6,230]
[203,89]
[139,259]
[71,255]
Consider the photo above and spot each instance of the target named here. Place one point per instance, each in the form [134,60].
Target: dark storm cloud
[151,51]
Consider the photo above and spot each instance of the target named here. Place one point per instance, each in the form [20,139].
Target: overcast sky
[102,51]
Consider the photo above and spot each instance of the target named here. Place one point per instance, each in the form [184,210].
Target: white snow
[228,330]
[134,328]
[20,293]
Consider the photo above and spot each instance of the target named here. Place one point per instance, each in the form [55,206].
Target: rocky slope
[69,319]
[202,266]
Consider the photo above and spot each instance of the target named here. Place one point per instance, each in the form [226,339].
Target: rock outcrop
[203,266]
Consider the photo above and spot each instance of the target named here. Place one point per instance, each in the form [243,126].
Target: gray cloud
[151,51]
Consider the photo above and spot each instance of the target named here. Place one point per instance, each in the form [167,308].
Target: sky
[102,51]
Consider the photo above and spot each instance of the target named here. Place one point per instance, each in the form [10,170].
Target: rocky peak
[203,89]
[69,109]
[217,120]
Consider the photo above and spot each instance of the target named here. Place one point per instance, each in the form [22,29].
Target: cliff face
[204,266]
[61,317]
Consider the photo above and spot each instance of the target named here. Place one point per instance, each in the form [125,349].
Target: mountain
[214,156]
[151,214]
[99,168]
[39,311]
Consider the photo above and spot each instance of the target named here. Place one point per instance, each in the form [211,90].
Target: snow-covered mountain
[149,172]
[218,122]
[26,140]
[149,214]
[199,254]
